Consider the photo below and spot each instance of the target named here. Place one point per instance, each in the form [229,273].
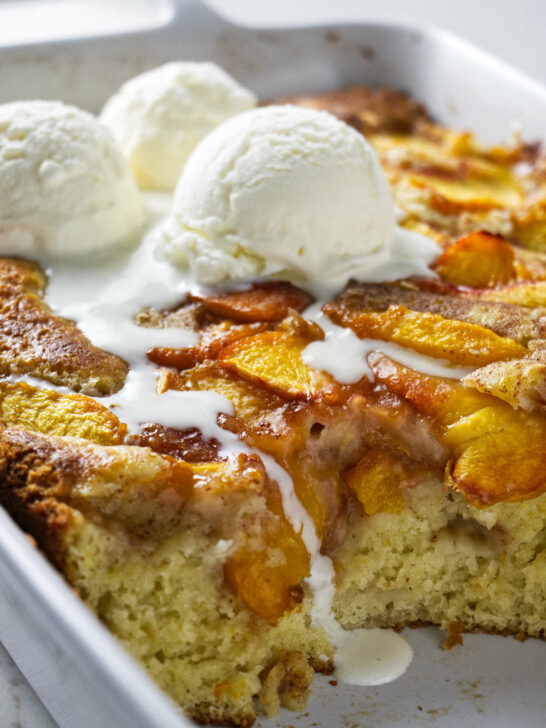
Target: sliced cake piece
[153,544]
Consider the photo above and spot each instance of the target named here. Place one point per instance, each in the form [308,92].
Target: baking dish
[82,676]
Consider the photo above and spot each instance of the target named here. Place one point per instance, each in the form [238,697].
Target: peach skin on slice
[440,400]
[458,177]
[270,301]
[274,361]
[479,260]
[211,341]
[459,342]
[496,453]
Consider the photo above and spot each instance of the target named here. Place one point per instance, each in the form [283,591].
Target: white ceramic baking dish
[84,678]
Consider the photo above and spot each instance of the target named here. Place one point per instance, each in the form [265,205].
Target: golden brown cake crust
[381,110]
[35,479]
[34,341]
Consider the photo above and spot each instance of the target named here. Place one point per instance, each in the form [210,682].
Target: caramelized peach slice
[274,361]
[456,172]
[266,572]
[63,415]
[249,400]
[266,302]
[459,342]
[497,453]
[212,341]
[500,455]
[188,444]
[441,400]
[484,187]
[376,481]
[289,434]
[479,260]
[428,295]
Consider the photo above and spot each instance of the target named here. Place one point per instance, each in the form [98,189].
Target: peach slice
[456,173]
[274,361]
[268,302]
[266,572]
[485,187]
[212,341]
[440,400]
[428,295]
[479,260]
[249,400]
[270,559]
[497,453]
[62,415]
[500,455]
[376,481]
[459,342]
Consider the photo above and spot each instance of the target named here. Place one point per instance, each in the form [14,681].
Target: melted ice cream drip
[343,355]
[408,254]
[103,299]
[362,656]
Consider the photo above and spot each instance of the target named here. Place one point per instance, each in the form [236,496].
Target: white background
[512,29]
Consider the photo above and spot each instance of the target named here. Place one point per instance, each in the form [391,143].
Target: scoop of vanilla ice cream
[159,117]
[279,189]
[65,187]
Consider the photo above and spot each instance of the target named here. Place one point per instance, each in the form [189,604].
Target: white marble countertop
[509,29]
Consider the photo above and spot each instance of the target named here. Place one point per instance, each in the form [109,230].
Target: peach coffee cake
[239,473]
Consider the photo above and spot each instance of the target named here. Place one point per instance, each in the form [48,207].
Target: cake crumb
[286,684]
[455,635]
